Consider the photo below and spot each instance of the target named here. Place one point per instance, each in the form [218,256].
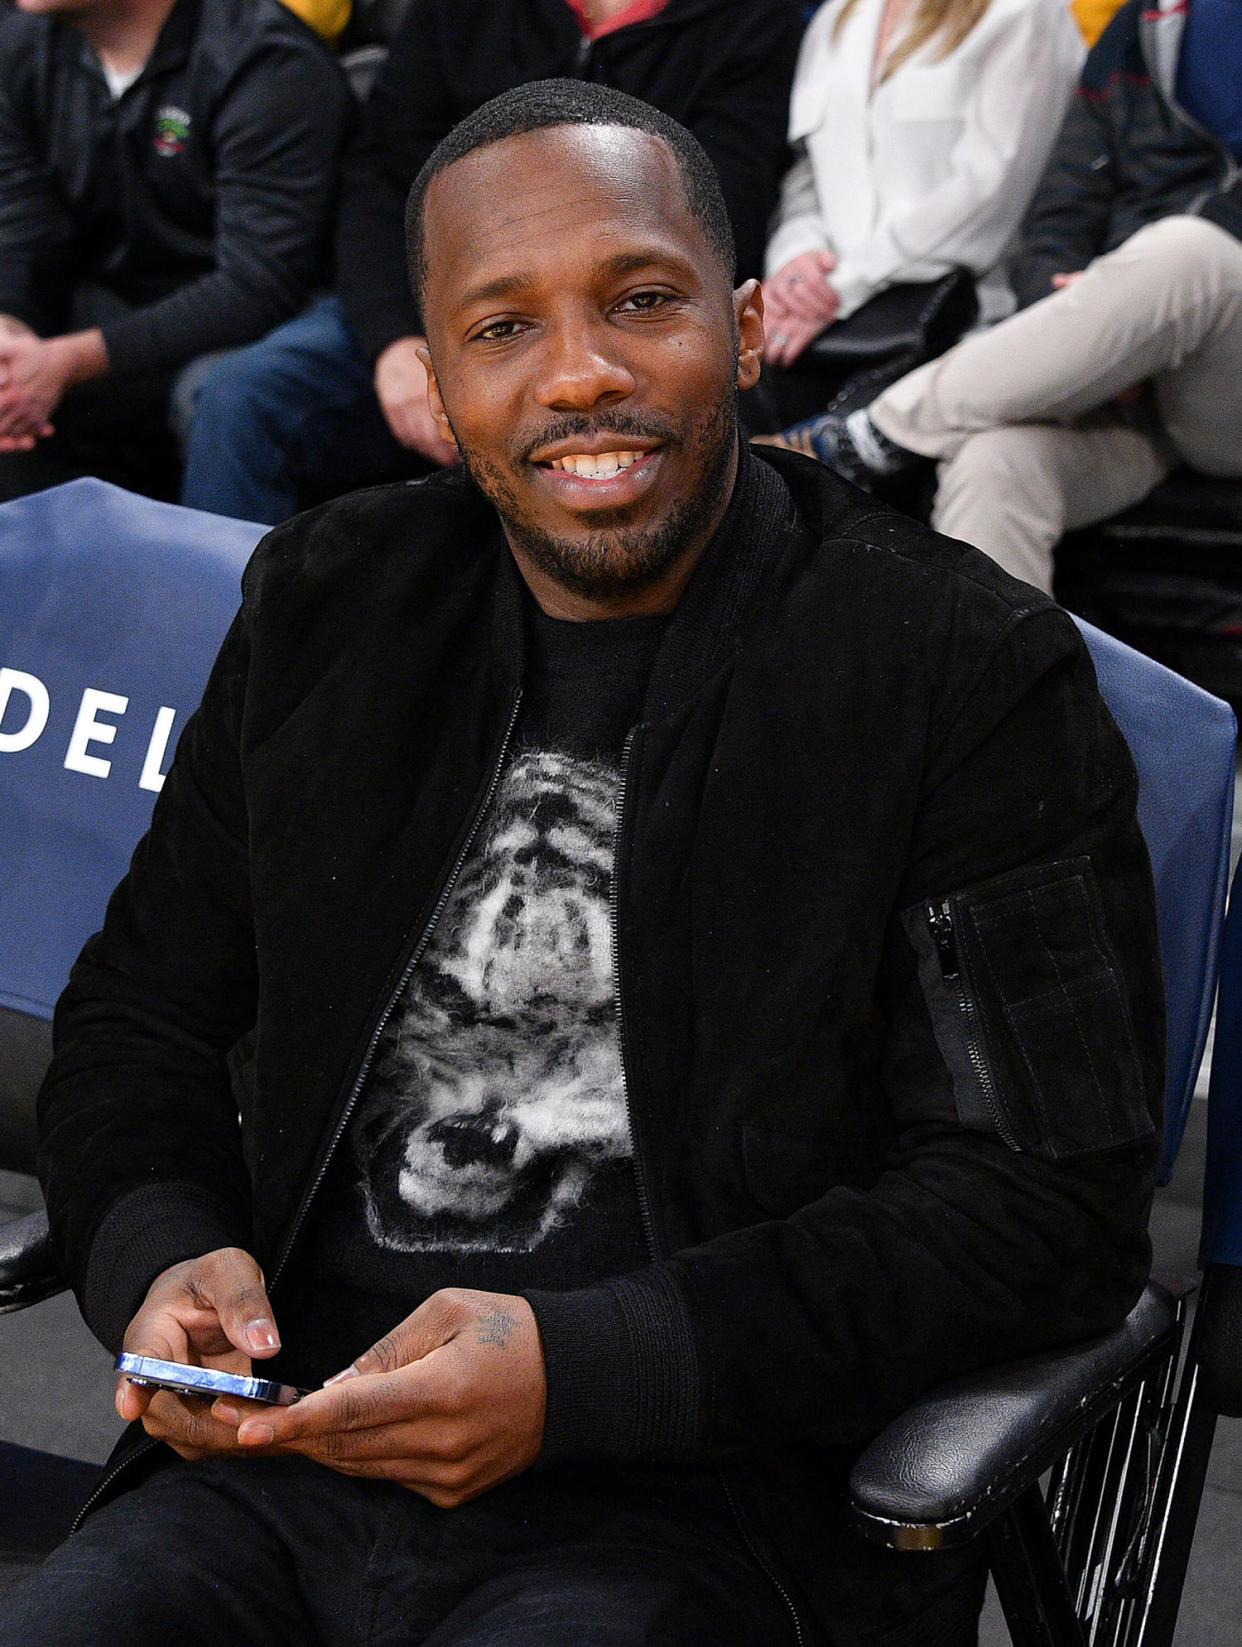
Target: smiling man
[683,949]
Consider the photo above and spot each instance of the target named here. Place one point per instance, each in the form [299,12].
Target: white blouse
[936,166]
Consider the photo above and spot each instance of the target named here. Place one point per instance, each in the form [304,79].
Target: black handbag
[853,360]
[916,320]
[898,329]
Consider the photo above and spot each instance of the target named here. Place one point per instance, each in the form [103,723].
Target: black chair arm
[961,1455]
[28,1268]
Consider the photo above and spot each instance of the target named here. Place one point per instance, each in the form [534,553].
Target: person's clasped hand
[799,302]
[32,380]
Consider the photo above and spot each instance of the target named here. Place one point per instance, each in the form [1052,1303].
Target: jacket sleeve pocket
[1029,1012]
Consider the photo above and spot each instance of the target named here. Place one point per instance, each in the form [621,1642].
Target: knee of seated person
[238,396]
[229,383]
[999,494]
[995,463]
[1189,246]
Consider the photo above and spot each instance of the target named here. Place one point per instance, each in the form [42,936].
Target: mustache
[605,422]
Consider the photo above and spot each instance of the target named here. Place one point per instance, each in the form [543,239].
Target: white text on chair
[87,727]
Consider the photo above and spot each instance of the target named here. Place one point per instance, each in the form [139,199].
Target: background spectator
[1132,267]
[338,396]
[921,129]
[168,175]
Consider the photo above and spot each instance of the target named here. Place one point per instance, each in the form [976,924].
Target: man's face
[586,353]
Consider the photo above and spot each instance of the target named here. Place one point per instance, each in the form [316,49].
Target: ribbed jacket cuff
[141,1236]
[622,1371]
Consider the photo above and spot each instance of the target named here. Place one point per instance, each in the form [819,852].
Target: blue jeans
[290,417]
[285,1553]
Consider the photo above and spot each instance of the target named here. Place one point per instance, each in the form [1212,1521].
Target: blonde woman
[921,128]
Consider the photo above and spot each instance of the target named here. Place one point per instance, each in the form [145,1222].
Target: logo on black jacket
[172,131]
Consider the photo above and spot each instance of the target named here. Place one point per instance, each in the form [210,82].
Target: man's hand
[799,302]
[34,374]
[212,1312]
[449,1404]
[401,385]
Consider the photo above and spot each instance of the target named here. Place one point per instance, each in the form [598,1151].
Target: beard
[615,557]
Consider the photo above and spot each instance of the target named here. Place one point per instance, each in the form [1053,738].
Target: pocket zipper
[940,920]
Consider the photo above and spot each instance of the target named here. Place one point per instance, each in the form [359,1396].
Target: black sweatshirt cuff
[622,1371]
[143,1234]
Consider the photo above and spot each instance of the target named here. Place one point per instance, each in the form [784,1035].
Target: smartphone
[205,1381]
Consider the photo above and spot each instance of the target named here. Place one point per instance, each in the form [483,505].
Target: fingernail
[261,1334]
[256,1434]
[226,1412]
[350,1372]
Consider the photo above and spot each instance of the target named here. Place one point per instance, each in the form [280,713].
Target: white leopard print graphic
[496,1090]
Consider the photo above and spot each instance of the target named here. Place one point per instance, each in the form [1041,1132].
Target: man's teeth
[595,465]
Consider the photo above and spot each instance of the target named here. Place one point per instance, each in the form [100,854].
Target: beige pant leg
[1012,492]
[1165,306]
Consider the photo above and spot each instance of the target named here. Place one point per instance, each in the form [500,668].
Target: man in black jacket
[338,397]
[686,956]
[1130,274]
[169,168]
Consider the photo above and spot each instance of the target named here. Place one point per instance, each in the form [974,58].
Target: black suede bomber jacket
[888,981]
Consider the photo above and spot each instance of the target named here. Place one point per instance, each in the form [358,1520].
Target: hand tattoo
[495,1327]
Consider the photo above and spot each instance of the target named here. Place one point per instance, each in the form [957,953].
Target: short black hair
[542,103]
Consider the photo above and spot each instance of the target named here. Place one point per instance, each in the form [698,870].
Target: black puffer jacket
[723,68]
[1127,154]
[888,976]
[202,195]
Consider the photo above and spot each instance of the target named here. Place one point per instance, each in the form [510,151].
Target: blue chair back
[1183,742]
[112,608]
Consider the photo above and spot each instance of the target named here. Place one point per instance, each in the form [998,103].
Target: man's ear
[748,308]
[433,397]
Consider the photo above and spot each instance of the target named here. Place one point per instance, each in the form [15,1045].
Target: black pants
[281,1551]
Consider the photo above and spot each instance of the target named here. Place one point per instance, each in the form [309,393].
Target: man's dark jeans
[289,420]
[281,1551]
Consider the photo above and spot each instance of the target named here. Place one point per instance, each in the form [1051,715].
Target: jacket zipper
[614,914]
[102,1486]
[940,919]
[760,1559]
[644,1198]
[415,955]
